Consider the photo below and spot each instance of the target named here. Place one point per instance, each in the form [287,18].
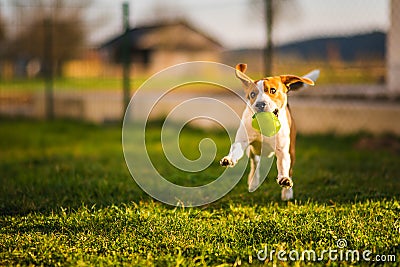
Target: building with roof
[157,46]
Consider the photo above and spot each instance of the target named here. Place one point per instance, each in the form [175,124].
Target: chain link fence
[65,58]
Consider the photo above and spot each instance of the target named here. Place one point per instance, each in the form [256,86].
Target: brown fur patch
[279,96]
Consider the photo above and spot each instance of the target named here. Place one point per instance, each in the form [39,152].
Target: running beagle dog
[268,95]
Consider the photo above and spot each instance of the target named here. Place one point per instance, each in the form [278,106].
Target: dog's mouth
[276,111]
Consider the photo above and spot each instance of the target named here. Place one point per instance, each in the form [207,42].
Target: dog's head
[269,94]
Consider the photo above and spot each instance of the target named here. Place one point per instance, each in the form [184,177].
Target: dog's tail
[312,75]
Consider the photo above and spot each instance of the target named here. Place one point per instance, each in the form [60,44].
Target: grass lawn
[66,198]
[371,72]
[66,84]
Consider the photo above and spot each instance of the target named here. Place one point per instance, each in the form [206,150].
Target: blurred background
[84,59]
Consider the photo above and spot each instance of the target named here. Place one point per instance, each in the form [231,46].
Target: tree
[2,35]
[50,28]
[273,9]
[2,30]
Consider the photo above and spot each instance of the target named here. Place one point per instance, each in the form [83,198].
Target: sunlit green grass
[111,83]
[66,198]
[331,73]
[67,84]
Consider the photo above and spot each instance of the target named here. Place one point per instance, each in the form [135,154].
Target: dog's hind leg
[253,180]
[287,191]
[292,146]
[287,194]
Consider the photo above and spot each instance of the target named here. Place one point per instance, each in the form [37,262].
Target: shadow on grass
[49,166]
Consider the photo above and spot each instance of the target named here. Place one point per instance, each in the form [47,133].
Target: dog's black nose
[260,106]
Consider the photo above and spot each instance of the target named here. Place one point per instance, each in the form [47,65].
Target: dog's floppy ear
[293,82]
[246,80]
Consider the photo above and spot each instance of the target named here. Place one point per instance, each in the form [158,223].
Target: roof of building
[171,35]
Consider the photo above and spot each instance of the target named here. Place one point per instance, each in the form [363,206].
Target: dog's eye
[252,94]
[272,90]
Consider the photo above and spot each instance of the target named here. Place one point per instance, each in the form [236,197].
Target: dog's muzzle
[260,106]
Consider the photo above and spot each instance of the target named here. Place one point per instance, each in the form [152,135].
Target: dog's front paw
[285,182]
[226,162]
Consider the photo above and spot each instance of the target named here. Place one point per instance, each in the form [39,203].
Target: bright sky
[239,23]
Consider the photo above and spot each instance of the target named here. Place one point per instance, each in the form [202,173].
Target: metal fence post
[48,68]
[393,47]
[126,56]
[268,43]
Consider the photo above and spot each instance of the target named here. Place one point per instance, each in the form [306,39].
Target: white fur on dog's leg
[254,175]
[287,194]
[254,183]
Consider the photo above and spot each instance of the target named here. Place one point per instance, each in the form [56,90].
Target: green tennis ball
[266,123]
